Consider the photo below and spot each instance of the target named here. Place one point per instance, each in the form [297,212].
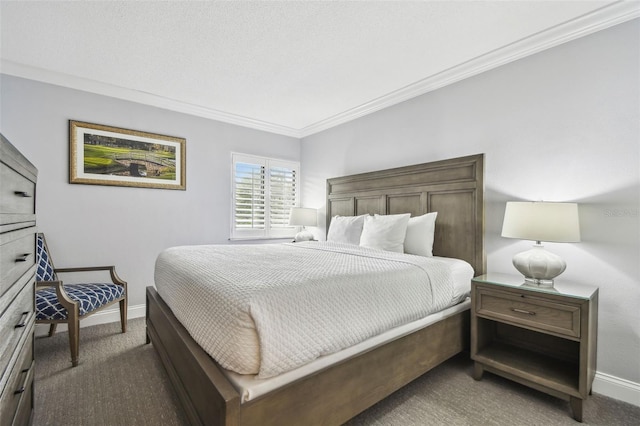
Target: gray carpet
[120,381]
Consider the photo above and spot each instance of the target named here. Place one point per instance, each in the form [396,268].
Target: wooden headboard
[454,188]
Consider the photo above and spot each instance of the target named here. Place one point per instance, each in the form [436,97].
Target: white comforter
[266,309]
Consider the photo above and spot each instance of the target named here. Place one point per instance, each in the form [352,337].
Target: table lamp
[301,216]
[541,221]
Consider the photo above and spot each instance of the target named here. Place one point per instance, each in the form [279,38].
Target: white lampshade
[541,221]
[301,216]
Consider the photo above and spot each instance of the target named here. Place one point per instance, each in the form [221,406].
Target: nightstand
[544,338]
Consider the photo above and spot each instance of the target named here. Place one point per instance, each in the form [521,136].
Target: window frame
[268,232]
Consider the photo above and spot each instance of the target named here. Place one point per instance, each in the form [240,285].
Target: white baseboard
[604,384]
[102,317]
[617,388]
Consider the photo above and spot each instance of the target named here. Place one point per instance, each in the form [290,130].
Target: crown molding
[100,88]
[597,20]
[589,23]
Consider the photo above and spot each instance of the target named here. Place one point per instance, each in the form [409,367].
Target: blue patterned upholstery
[91,297]
[45,270]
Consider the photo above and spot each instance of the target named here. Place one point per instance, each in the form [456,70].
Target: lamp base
[536,282]
[539,266]
[303,235]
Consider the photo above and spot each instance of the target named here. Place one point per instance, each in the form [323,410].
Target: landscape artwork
[105,155]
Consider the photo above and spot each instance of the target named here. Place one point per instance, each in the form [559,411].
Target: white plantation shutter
[250,201]
[264,190]
[283,195]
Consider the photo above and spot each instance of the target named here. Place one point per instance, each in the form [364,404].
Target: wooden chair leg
[52,328]
[123,314]
[74,336]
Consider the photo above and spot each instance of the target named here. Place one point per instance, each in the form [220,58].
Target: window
[264,190]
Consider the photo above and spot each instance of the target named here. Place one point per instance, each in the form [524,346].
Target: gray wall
[562,125]
[126,227]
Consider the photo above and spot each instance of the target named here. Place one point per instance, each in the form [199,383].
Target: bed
[336,391]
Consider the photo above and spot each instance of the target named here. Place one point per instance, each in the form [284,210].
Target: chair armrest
[63,297]
[43,284]
[112,272]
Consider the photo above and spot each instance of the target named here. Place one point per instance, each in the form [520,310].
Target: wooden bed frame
[335,394]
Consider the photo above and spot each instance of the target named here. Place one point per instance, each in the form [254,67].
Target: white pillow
[385,232]
[345,229]
[420,232]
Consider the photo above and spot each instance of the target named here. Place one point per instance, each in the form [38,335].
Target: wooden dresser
[17,284]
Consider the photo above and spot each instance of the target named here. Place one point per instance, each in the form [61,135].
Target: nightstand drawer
[529,311]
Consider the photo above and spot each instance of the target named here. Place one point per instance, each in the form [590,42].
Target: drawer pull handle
[23,257]
[23,194]
[22,388]
[23,318]
[522,311]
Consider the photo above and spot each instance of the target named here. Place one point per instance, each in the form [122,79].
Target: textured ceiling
[288,66]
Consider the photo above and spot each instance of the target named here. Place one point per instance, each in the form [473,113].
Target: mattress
[255,308]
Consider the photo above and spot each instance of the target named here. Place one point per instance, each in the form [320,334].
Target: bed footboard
[330,396]
[341,391]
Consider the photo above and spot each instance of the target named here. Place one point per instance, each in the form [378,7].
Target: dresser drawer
[25,405]
[17,255]
[529,311]
[17,196]
[15,402]
[15,321]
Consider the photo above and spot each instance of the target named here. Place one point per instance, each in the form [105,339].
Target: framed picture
[104,155]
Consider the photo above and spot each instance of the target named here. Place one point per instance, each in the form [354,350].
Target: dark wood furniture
[338,392]
[69,297]
[17,277]
[541,337]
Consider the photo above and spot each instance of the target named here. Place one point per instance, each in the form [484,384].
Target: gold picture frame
[106,155]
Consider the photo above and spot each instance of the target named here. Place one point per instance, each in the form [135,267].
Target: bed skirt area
[331,395]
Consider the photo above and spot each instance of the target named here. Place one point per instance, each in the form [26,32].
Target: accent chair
[69,303]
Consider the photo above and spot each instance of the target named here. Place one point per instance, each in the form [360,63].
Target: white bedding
[255,308]
[251,387]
